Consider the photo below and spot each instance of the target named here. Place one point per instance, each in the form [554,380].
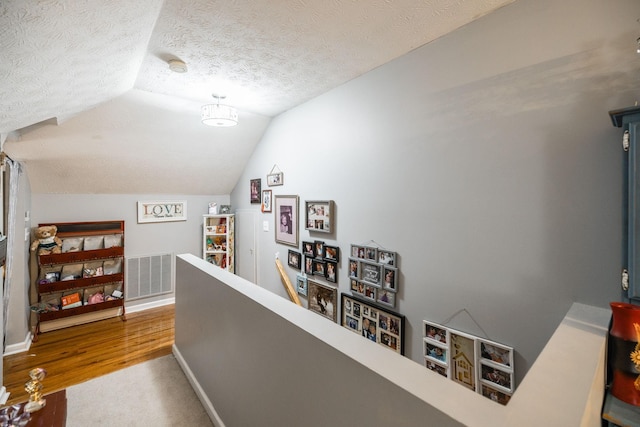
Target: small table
[54,413]
[619,413]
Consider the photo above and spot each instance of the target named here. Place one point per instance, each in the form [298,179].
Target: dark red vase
[623,339]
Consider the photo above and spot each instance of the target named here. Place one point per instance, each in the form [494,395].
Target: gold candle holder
[34,388]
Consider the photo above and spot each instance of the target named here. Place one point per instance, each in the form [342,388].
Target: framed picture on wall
[255,188]
[286,229]
[266,200]
[323,299]
[301,284]
[319,216]
[373,323]
[274,179]
[295,259]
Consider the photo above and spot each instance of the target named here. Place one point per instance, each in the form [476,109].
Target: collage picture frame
[476,363]
[319,216]
[374,274]
[321,260]
[377,324]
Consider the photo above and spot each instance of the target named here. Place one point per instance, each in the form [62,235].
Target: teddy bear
[46,241]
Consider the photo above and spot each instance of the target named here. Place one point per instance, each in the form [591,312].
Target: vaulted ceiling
[89,104]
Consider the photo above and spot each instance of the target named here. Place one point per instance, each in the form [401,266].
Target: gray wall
[486,159]
[258,368]
[140,239]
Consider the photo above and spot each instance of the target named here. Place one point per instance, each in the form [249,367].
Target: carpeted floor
[155,393]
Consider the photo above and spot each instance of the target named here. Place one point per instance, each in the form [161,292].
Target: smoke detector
[177,66]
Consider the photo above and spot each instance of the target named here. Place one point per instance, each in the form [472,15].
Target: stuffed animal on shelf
[46,241]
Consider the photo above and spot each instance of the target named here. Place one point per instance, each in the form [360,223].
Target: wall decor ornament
[624,352]
[162,211]
[286,230]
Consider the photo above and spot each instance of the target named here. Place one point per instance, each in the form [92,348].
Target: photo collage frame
[479,364]
[373,322]
[373,274]
[319,216]
[321,260]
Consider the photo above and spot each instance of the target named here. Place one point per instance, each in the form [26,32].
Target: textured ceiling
[61,59]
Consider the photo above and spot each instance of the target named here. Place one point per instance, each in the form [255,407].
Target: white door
[246,251]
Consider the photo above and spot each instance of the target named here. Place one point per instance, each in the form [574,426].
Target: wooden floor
[80,353]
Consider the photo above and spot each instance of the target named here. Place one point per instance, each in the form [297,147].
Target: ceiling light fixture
[219,115]
[177,66]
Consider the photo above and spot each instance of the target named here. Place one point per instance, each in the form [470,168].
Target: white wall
[486,159]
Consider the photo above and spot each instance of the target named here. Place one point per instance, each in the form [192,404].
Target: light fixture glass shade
[219,115]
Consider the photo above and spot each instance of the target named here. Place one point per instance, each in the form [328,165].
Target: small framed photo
[301,285]
[255,185]
[463,359]
[354,271]
[266,201]
[435,352]
[497,378]
[308,265]
[353,285]
[370,273]
[371,253]
[359,287]
[386,257]
[331,253]
[357,251]
[274,179]
[385,297]
[390,278]
[319,216]
[287,216]
[319,267]
[438,368]
[318,249]
[323,299]
[495,395]
[369,292]
[307,249]
[331,271]
[493,352]
[295,259]
[435,332]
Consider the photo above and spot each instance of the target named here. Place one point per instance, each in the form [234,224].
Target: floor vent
[149,276]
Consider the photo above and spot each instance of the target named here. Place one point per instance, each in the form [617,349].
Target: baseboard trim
[133,308]
[206,403]
[19,347]
[4,396]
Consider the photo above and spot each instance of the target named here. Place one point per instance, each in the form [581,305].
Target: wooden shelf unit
[51,291]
